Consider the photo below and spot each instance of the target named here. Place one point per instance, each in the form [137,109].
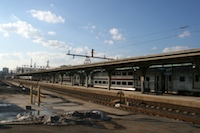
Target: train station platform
[190,101]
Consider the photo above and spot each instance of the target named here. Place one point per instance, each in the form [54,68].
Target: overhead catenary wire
[154,33]
[145,35]
[174,34]
[140,36]
[144,42]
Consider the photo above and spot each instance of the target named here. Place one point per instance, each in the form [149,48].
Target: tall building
[5,71]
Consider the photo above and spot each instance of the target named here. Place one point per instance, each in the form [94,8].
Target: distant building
[4,73]
[6,70]
[26,69]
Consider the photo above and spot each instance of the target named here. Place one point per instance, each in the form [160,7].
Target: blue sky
[46,30]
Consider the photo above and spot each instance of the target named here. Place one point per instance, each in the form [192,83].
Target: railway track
[183,113]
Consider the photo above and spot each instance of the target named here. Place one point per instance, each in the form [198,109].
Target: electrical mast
[87,58]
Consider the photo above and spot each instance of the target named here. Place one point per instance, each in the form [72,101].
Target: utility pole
[47,66]
[31,63]
[92,53]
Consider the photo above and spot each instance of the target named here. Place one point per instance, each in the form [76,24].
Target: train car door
[168,83]
[157,80]
[163,87]
[196,81]
[137,80]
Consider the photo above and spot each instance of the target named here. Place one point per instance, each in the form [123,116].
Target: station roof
[185,56]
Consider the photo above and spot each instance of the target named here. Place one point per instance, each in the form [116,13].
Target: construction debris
[66,118]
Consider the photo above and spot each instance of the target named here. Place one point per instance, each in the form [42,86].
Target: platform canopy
[185,56]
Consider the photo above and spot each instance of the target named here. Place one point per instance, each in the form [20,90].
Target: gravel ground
[134,122]
[140,125]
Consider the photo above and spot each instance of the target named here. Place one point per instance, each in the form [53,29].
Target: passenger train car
[180,78]
[119,80]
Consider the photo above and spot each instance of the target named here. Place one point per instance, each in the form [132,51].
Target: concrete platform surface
[190,101]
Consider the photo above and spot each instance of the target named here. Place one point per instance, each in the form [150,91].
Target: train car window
[104,82]
[104,74]
[123,83]
[124,73]
[113,82]
[170,78]
[158,78]
[118,73]
[196,78]
[130,83]
[130,73]
[99,82]
[147,79]
[100,74]
[95,82]
[182,79]
[118,83]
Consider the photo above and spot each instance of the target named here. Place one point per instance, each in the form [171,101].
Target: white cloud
[14,55]
[78,50]
[6,34]
[101,33]
[11,59]
[52,5]
[58,59]
[116,35]
[117,57]
[41,58]
[175,48]
[184,34]
[52,33]
[62,46]
[55,59]
[81,50]
[114,31]
[97,37]
[20,27]
[109,42]
[154,48]
[47,16]
[89,27]
[28,31]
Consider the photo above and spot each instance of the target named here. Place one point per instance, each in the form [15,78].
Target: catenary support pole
[31,94]
[38,94]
